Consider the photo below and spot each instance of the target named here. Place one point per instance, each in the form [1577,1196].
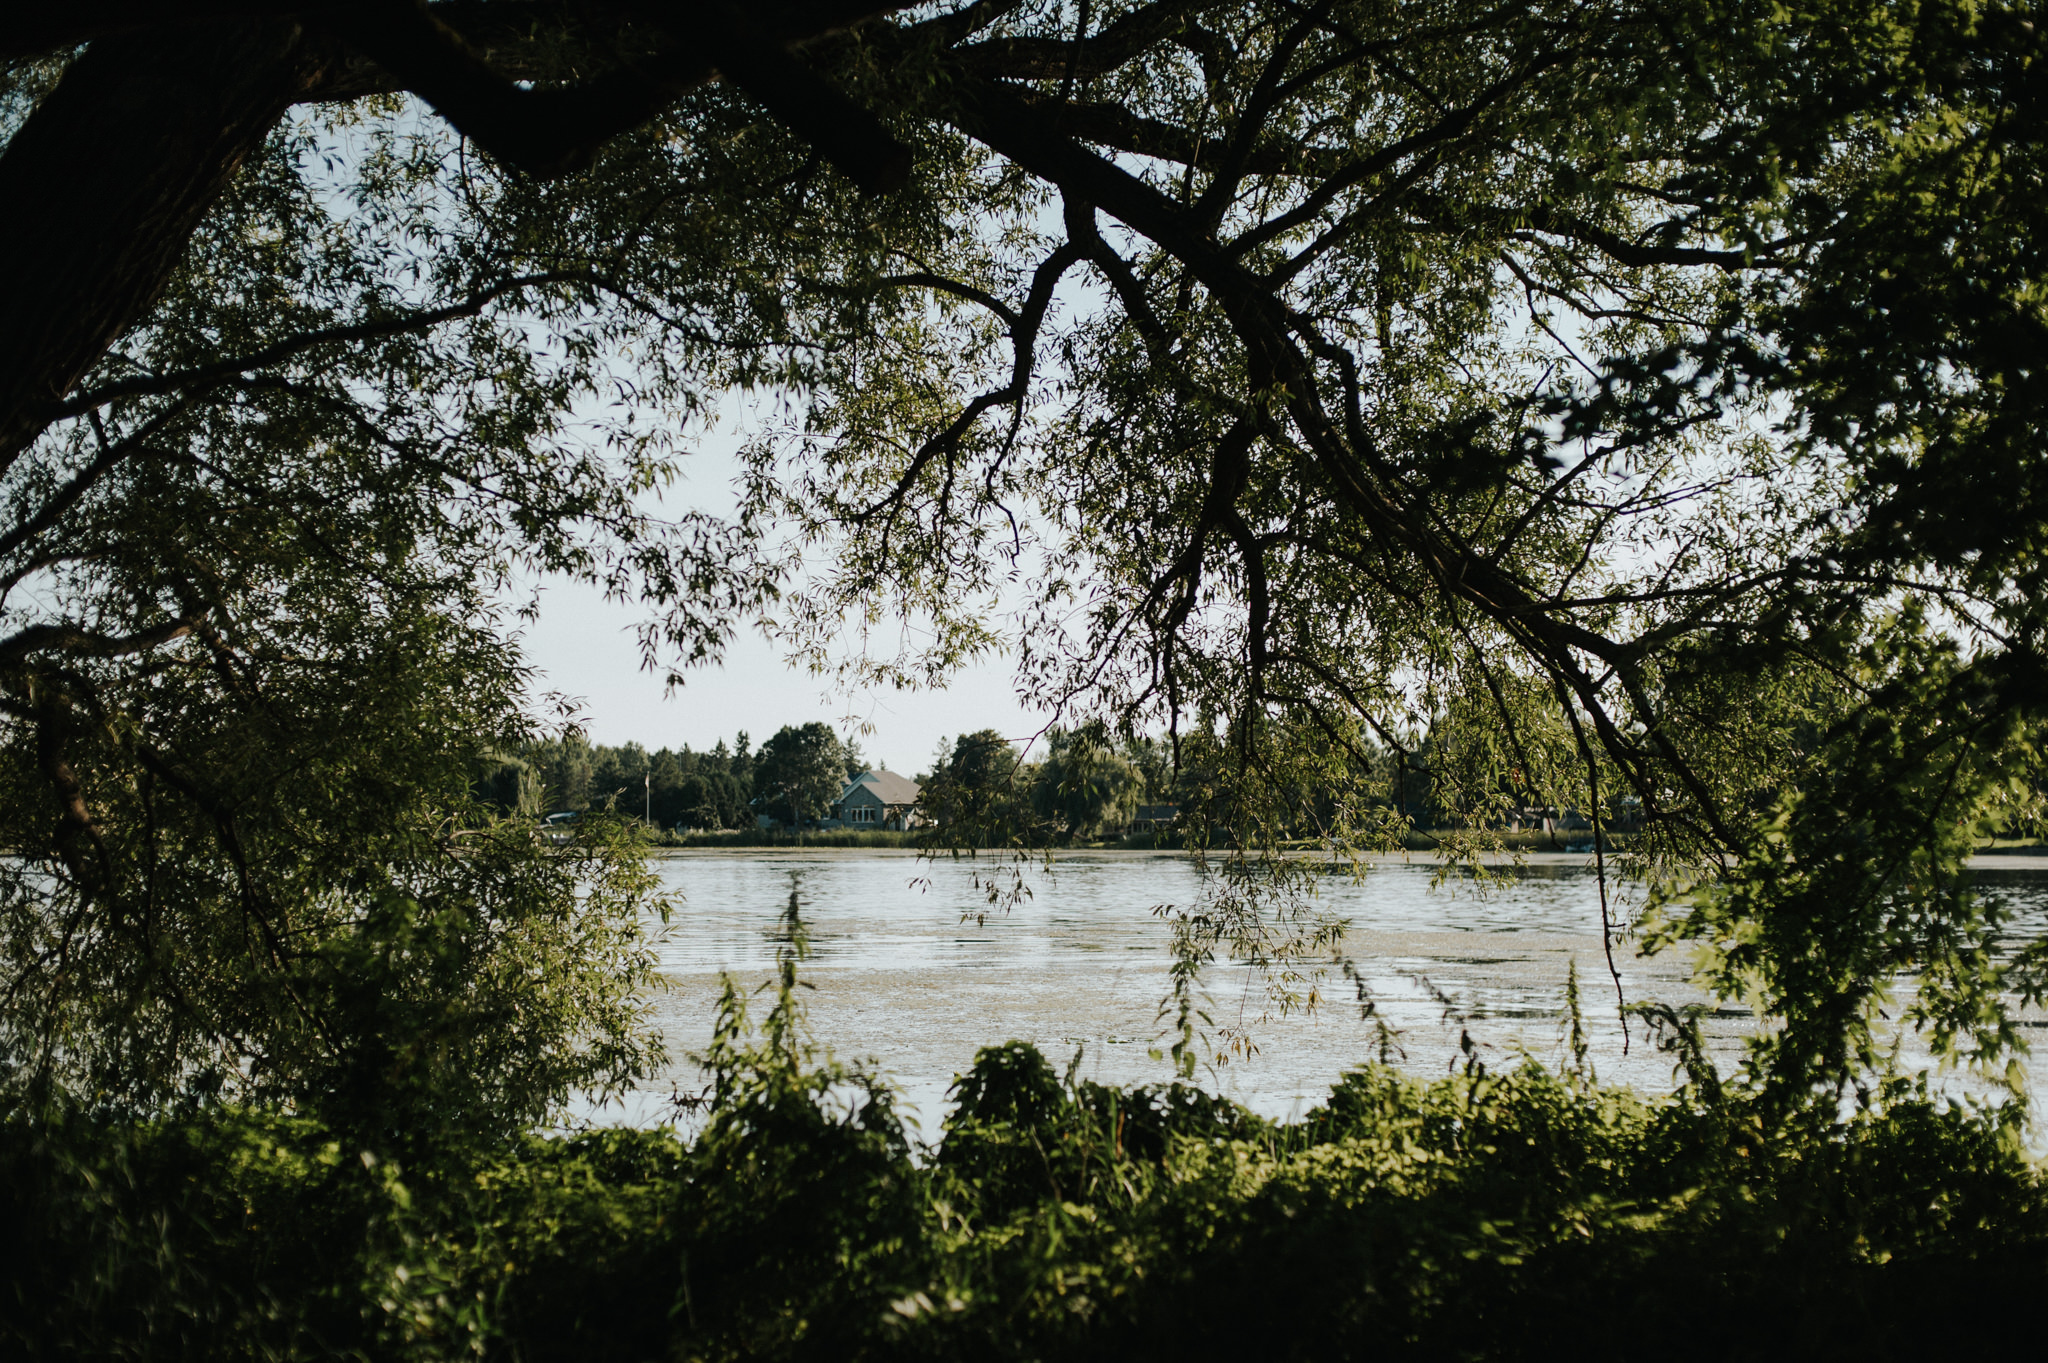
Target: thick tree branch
[76,639]
[56,26]
[749,54]
[33,30]
[545,132]
[554,131]
[165,120]
[170,115]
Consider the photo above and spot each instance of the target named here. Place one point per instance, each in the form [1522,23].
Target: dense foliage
[566,772]
[1496,1216]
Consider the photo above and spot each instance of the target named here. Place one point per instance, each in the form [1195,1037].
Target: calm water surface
[902,974]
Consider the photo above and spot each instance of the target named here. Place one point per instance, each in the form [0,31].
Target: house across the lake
[1154,818]
[877,799]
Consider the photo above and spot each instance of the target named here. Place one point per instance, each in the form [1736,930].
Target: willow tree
[1638,398]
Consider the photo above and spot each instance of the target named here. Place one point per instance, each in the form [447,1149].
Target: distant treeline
[794,775]
[1081,784]
[1086,783]
[1058,786]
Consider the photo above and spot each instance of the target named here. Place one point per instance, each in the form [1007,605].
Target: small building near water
[878,799]
[1154,818]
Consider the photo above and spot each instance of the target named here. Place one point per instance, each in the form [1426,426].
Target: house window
[864,814]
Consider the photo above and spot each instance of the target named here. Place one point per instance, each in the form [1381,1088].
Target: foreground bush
[1484,1216]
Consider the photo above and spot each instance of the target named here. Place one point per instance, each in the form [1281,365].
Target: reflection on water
[903,974]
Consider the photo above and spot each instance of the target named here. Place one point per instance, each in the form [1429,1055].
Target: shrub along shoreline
[1474,1216]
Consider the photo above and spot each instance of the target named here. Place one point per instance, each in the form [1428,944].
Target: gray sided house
[878,799]
[1154,818]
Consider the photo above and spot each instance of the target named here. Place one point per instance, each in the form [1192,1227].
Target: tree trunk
[104,184]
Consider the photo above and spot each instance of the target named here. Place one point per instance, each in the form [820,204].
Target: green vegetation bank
[1488,1216]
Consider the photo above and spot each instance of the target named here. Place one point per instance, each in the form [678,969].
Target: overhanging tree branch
[553,131]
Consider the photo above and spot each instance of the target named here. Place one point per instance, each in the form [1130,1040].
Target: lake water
[904,976]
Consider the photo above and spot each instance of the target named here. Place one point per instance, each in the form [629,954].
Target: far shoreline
[2030,860]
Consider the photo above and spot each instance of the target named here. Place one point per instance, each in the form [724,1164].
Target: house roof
[891,788]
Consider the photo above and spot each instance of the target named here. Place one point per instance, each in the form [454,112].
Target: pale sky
[585,648]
